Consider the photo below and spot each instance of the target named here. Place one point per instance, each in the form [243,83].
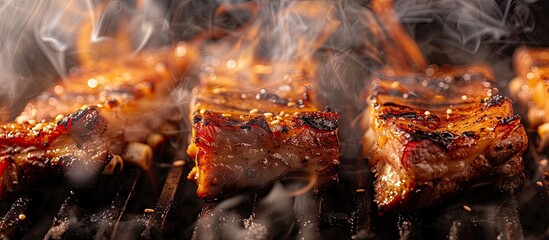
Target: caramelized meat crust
[69,133]
[437,135]
[51,153]
[133,94]
[246,138]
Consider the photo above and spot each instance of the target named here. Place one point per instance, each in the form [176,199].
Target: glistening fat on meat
[435,134]
[68,134]
[253,134]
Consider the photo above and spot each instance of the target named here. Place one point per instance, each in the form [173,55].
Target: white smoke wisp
[466,27]
[35,37]
[277,215]
[94,30]
[274,31]
[57,29]
[297,29]
[465,23]
[42,40]
[16,21]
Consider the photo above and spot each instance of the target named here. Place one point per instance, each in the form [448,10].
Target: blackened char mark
[84,122]
[320,122]
[256,121]
[197,119]
[89,122]
[271,97]
[469,134]
[509,119]
[66,121]
[261,122]
[406,115]
[216,119]
[399,112]
[443,138]
[496,100]
[395,111]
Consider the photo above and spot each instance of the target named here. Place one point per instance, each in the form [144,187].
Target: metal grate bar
[83,214]
[277,214]
[495,218]
[205,227]
[119,206]
[409,226]
[61,221]
[361,214]
[307,214]
[165,203]
[509,225]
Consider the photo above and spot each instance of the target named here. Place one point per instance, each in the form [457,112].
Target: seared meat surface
[69,133]
[49,153]
[436,134]
[250,135]
[133,94]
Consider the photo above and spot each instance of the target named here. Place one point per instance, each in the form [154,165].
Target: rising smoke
[39,37]
[41,40]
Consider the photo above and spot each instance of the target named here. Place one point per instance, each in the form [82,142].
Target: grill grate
[496,219]
[259,217]
[344,210]
[113,209]
[78,210]
[156,223]
[307,216]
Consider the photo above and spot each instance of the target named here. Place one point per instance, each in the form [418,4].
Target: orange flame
[312,180]
[90,48]
[401,50]
[242,48]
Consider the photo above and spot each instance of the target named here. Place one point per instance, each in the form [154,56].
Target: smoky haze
[40,40]
[39,37]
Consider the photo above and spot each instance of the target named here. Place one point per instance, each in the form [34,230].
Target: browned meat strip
[69,133]
[436,134]
[34,157]
[133,94]
[250,135]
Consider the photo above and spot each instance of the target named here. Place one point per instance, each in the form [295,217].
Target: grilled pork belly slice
[134,91]
[133,95]
[439,133]
[531,87]
[247,136]
[90,117]
[51,153]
